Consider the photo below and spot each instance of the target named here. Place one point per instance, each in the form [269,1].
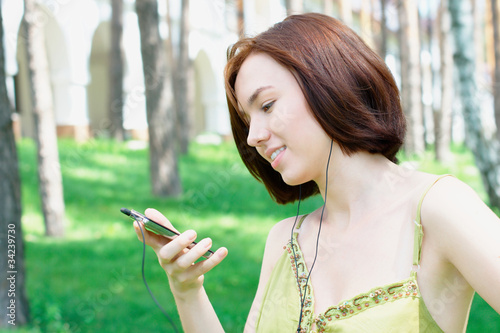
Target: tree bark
[328,7]
[180,67]
[383,29]
[366,22]
[294,7]
[240,13]
[159,98]
[411,90]
[345,9]
[49,168]
[182,74]
[442,115]
[116,98]
[496,43]
[14,307]
[486,152]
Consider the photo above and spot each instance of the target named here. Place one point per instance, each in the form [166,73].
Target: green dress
[396,307]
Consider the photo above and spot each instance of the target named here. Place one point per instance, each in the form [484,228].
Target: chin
[294,181]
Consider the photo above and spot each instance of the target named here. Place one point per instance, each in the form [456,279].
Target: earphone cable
[295,257]
[303,296]
[146,284]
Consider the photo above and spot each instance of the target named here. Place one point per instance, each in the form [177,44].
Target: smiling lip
[276,153]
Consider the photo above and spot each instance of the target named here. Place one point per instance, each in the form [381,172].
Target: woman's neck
[355,183]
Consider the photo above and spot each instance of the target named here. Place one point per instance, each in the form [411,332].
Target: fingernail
[206,242]
[191,234]
[222,252]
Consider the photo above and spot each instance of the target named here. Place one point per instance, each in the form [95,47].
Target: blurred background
[111,103]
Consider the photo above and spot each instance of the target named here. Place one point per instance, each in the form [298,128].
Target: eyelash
[267,106]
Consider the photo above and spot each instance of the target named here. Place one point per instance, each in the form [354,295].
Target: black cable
[293,251]
[295,259]
[146,284]
[303,297]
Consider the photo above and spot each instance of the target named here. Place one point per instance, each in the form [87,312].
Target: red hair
[347,86]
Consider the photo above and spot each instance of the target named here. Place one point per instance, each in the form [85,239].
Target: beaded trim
[300,271]
[379,295]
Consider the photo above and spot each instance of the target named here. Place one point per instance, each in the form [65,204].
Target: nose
[258,132]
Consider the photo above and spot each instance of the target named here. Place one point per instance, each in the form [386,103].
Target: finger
[177,246]
[158,217]
[202,267]
[150,238]
[195,253]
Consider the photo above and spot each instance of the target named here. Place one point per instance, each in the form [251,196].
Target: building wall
[77,34]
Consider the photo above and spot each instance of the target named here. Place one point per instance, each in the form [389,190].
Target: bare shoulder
[453,204]
[278,236]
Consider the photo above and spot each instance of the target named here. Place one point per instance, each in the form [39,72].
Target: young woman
[315,111]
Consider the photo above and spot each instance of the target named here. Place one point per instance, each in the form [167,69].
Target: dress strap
[300,221]
[419,232]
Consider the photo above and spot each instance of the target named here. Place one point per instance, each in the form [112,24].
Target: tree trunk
[49,168]
[479,35]
[182,74]
[496,43]
[294,7]
[366,22]
[411,90]
[328,7]
[14,307]
[486,153]
[116,98]
[345,10]
[180,66]
[442,114]
[240,13]
[159,98]
[383,29]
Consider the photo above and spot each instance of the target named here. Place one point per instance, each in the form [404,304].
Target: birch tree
[294,6]
[366,22]
[240,17]
[442,114]
[345,12]
[486,151]
[411,82]
[49,169]
[496,43]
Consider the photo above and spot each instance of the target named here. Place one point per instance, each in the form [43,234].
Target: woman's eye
[267,106]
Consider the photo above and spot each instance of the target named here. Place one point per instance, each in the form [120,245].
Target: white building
[78,41]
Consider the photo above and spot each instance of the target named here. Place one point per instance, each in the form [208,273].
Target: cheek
[285,118]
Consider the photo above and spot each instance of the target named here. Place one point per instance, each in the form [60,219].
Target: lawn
[90,281]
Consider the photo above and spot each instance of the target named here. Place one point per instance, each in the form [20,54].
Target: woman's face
[282,127]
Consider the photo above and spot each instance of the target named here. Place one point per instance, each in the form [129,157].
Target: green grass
[90,281]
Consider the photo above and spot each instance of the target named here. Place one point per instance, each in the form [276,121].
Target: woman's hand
[184,275]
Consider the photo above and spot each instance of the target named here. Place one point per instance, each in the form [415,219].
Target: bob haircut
[348,87]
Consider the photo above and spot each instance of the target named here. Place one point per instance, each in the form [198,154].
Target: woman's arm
[469,235]
[184,275]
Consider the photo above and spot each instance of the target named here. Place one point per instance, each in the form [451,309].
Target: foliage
[90,281]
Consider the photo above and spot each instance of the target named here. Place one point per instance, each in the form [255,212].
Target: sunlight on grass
[33,226]
[90,280]
[104,176]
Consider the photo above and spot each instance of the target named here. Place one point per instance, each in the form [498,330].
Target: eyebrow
[256,93]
